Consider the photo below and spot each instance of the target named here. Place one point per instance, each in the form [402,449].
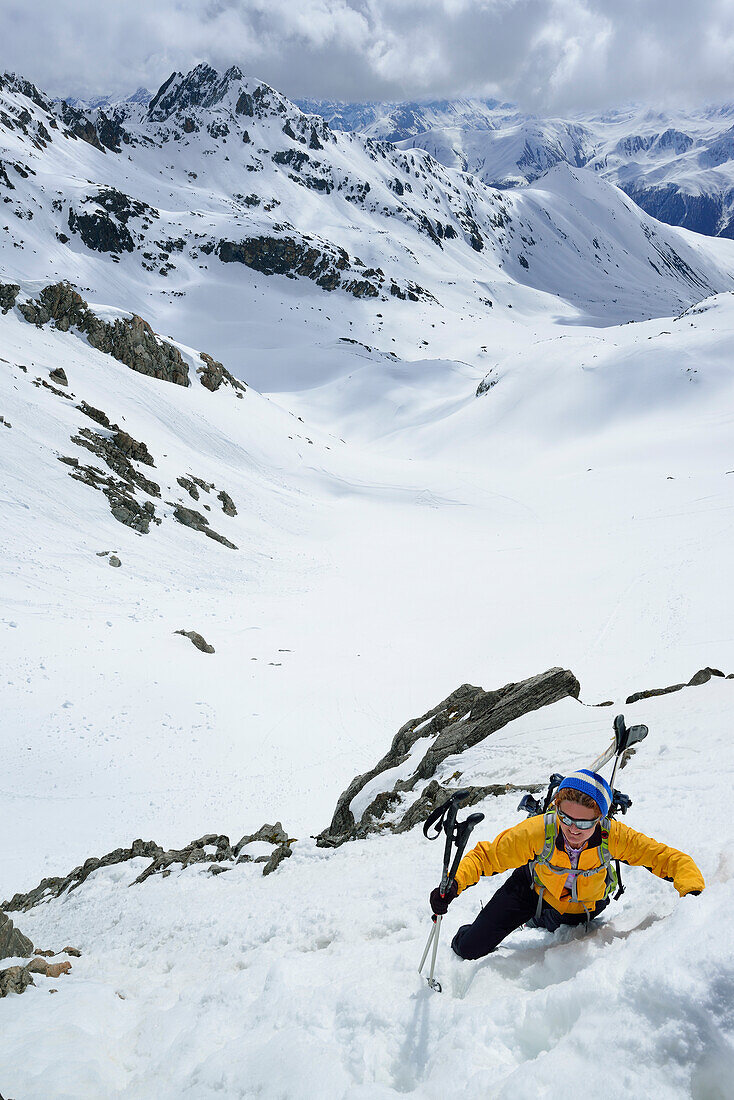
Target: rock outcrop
[130,340]
[466,717]
[118,453]
[329,266]
[213,851]
[701,677]
[15,979]
[197,639]
[8,295]
[189,517]
[104,227]
[213,374]
[13,944]
[49,888]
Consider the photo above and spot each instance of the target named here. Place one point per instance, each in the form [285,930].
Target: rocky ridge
[466,717]
[462,720]
[213,851]
[131,341]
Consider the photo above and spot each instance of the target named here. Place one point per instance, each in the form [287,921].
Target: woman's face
[577,838]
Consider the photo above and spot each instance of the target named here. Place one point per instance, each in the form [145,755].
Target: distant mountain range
[678,166]
[218,173]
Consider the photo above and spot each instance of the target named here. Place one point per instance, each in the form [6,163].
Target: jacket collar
[594,842]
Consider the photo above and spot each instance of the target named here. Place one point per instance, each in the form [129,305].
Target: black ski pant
[514,904]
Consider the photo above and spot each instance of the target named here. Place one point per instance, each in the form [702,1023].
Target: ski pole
[444,818]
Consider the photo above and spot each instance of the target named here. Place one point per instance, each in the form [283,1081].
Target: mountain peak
[203,87]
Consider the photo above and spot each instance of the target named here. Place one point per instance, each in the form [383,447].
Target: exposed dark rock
[111,133]
[228,505]
[100,233]
[50,888]
[189,517]
[129,340]
[296,158]
[133,448]
[197,639]
[133,342]
[116,453]
[123,505]
[324,265]
[244,105]
[54,389]
[188,484]
[15,979]
[77,123]
[213,374]
[703,676]
[127,511]
[97,415]
[59,375]
[13,944]
[700,677]
[5,179]
[276,859]
[465,718]
[114,561]
[193,853]
[8,293]
[224,853]
[202,87]
[271,834]
[106,228]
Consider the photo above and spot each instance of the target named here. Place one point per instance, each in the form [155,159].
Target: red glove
[439,904]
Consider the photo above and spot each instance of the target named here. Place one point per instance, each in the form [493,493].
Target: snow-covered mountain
[398,121]
[219,174]
[109,102]
[364,429]
[678,166]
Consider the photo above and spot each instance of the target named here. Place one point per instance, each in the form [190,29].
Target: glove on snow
[440,905]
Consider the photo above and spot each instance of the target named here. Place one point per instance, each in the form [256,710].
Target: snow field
[402,537]
[373,576]
[306,983]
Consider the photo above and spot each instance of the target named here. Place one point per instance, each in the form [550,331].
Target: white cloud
[549,55]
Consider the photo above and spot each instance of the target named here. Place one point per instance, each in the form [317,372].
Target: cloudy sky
[547,55]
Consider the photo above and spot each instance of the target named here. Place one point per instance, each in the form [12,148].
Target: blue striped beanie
[592,784]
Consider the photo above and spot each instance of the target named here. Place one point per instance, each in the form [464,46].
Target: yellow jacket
[522,843]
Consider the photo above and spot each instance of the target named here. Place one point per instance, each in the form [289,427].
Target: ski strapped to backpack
[624,737]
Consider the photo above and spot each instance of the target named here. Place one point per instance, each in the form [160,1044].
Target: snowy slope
[428,493]
[306,983]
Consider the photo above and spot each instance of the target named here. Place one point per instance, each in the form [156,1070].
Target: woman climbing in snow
[564,872]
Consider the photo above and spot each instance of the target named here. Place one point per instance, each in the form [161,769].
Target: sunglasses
[582,824]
